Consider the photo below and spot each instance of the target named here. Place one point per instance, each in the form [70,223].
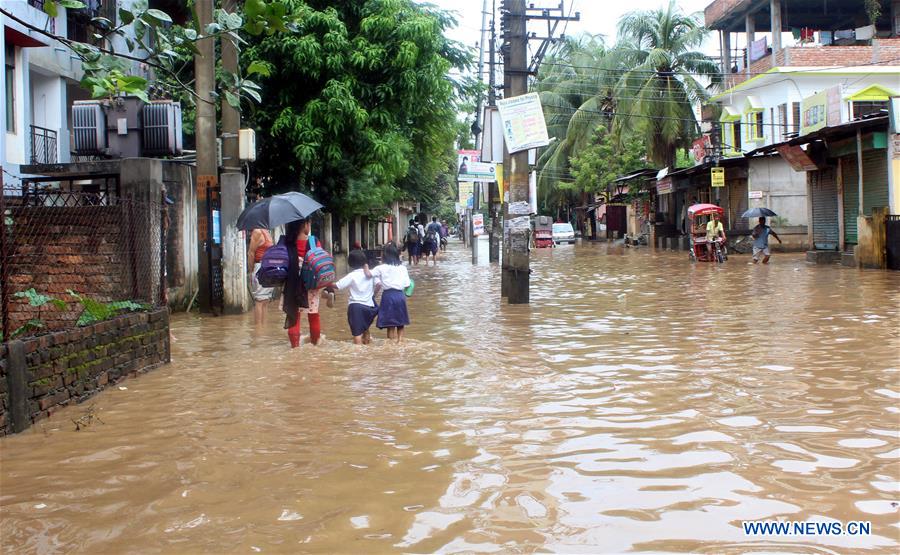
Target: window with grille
[866,107]
[755,126]
[782,121]
[795,115]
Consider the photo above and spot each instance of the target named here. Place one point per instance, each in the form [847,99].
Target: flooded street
[639,403]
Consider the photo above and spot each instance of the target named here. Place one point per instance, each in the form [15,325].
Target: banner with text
[523,122]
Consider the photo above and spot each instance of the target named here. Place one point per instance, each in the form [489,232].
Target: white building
[41,79]
[835,68]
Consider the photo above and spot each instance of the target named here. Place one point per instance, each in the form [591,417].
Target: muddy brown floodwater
[639,403]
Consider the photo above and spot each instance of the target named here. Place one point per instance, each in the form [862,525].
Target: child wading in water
[394,277]
[361,309]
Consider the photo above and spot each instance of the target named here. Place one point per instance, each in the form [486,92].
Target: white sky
[597,16]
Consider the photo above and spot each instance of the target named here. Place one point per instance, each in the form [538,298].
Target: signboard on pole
[478,171]
[477,224]
[466,190]
[718,177]
[523,122]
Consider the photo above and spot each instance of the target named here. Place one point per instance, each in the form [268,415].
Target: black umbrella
[278,210]
[758,213]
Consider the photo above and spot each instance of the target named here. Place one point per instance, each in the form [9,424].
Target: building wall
[794,87]
[783,189]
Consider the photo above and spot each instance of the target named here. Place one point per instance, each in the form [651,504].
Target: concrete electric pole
[515,284]
[207,168]
[516,275]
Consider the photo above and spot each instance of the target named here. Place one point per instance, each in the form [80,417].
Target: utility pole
[496,225]
[234,255]
[207,168]
[478,126]
[516,280]
[516,275]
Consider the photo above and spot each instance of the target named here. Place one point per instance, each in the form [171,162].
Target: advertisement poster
[478,171]
[477,224]
[466,192]
[464,158]
[523,122]
[813,112]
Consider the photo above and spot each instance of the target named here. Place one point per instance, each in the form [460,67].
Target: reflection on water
[639,403]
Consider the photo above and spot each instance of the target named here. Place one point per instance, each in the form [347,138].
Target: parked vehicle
[543,232]
[699,215]
[563,233]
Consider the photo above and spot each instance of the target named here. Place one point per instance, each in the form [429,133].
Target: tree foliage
[357,104]
[604,160]
[660,87]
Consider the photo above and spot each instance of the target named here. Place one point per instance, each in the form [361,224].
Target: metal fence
[74,252]
[43,145]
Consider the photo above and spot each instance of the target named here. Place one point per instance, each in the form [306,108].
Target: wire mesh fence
[72,253]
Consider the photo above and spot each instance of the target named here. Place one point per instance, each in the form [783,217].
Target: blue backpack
[273,268]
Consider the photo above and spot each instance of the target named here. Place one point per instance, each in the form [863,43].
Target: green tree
[576,85]
[357,107]
[657,93]
[604,160]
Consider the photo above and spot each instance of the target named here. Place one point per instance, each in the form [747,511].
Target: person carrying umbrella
[760,235]
[293,209]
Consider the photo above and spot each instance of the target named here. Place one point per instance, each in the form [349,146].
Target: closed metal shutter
[851,198]
[825,209]
[875,180]
[738,203]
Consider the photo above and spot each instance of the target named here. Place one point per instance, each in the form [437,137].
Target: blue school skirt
[360,318]
[392,311]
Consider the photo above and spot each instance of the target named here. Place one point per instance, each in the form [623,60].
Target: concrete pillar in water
[234,248]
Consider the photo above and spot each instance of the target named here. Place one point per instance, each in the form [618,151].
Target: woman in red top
[260,240]
[297,298]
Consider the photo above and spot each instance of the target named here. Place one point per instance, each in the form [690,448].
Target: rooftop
[728,15]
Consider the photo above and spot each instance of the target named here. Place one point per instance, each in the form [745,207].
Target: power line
[719,73]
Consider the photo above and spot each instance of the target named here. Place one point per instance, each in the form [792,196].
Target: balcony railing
[43,145]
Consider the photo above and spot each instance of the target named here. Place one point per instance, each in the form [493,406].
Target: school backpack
[318,267]
[412,235]
[273,268]
[431,235]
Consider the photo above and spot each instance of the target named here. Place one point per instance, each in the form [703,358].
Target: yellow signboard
[718,177]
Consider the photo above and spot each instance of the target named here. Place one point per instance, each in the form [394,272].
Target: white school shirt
[362,289]
[392,277]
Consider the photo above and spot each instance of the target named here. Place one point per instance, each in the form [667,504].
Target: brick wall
[68,367]
[92,250]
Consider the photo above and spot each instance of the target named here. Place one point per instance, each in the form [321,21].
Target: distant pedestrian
[394,278]
[297,298]
[760,235]
[445,233]
[432,241]
[260,241]
[361,308]
[412,242]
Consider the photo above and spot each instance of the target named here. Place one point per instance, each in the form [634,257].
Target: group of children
[392,277]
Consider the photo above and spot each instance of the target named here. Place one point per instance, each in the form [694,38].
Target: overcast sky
[597,16]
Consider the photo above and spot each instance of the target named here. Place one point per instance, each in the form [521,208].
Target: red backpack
[318,267]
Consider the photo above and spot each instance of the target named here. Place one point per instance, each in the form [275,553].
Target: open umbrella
[758,213]
[277,210]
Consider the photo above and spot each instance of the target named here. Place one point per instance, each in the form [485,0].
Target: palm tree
[576,85]
[659,88]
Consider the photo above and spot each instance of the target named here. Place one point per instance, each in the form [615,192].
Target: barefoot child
[361,309]
[394,277]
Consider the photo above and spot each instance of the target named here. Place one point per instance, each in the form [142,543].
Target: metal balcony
[43,145]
